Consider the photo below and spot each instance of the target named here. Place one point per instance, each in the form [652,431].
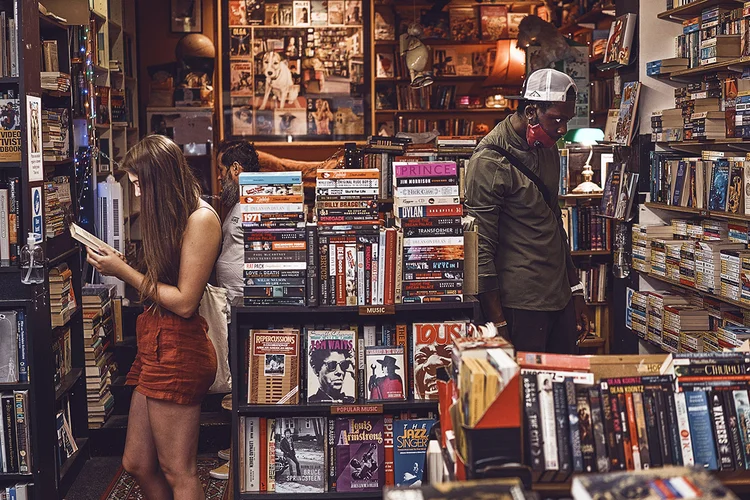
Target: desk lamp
[586,137]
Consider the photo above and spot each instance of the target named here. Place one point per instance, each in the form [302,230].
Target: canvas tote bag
[214,308]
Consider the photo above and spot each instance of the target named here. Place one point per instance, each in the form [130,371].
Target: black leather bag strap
[524,170]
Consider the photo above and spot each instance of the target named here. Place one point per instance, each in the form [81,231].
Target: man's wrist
[500,324]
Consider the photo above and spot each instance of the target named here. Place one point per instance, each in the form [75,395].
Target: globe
[195,45]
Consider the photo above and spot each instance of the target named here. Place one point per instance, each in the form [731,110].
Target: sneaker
[224,454]
[221,472]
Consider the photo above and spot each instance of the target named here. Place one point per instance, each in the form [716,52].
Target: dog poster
[301,13]
[241,73]
[290,122]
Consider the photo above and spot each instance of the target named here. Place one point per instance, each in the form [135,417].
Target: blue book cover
[701,430]
[410,448]
[261,178]
[719,184]
[679,183]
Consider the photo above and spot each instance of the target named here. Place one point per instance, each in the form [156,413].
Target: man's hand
[583,316]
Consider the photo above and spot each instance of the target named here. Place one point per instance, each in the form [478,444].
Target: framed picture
[185,16]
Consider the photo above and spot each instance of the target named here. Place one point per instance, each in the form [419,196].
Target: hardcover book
[359,452]
[628,109]
[464,26]
[299,455]
[611,190]
[410,448]
[273,376]
[620,40]
[717,199]
[386,371]
[432,346]
[331,366]
[8,347]
[494,22]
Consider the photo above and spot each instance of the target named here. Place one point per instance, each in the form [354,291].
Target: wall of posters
[295,70]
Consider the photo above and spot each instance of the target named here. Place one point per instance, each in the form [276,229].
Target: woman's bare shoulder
[204,216]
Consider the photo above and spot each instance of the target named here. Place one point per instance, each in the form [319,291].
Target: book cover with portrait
[359,452]
[432,344]
[410,438]
[273,375]
[385,369]
[331,366]
[300,455]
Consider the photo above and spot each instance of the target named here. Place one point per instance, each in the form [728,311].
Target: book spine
[641,432]
[574,424]
[23,366]
[598,430]
[11,443]
[388,450]
[674,430]
[361,392]
[22,430]
[271,443]
[633,431]
[368,274]
[622,423]
[383,257]
[534,445]
[734,430]
[361,293]
[609,427]
[4,229]
[742,407]
[683,427]
[389,285]
[331,454]
[562,431]
[398,279]
[14,221]
[547,415]
[586,430]
[652,429]
[323,270]
[723,445]
[701,430]
[332,281]
[663,424]
[251,468]
[263,454]
[313,266]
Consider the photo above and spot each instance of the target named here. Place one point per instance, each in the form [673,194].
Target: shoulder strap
[522,168]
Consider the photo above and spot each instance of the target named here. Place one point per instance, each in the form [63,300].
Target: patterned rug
[124,487]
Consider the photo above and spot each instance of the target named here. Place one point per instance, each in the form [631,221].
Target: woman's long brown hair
[169,194]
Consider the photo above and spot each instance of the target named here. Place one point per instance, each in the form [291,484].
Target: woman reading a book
[176,362]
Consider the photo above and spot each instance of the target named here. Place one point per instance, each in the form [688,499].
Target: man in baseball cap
[528,284]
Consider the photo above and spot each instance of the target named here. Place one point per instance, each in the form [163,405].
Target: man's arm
[485,183]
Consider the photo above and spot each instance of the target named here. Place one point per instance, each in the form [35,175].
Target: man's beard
[230,192]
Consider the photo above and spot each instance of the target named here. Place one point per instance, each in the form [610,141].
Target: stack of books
[379,153]
[732,336]
[428,209]
[98,332]
[57,201]
[679,320]
[62,298]
[708,264]
[357,255]
[273,221]
[641,244]
[55,80]
[666,66]
[55,134]
[712,37]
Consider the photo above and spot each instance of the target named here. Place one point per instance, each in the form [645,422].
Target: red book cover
[263,462]
[552,362]
[388,442]
[632,428]
[390,267]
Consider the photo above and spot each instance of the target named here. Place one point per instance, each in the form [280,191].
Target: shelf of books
[680,10]
[464,40]
[344,321]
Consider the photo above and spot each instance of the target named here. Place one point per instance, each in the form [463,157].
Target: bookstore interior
[387,299]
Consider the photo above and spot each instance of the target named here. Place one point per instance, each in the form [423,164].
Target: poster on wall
[37,220]
[299,74]
[34,138]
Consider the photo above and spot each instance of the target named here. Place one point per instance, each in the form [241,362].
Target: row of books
[348,364]
[57,205]
[55,80]
[98,336]
[9,43]
[19,491]
[448,126]
[318,454]
[276,249]
[692,412]
[56,133]
[714,181]
[715,36]
[62,297]
[594,279]
[586,230]
[10,222]
[16,455]
[699,112]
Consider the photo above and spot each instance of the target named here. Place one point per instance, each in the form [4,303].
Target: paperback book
[273,377]
[299,449]
[410,448]
[331,366]
[387,371]
[359,454]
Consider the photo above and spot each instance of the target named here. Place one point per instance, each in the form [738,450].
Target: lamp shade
[585,136]
[509,67]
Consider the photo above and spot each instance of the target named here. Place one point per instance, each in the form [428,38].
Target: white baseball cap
[548,85]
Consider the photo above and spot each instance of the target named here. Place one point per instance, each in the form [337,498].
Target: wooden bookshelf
[594,16]
[699,212]
[694,9]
